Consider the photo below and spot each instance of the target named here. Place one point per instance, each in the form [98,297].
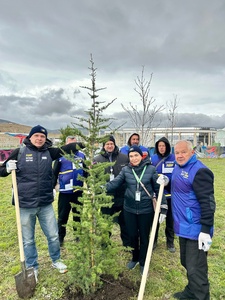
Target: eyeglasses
[71,137]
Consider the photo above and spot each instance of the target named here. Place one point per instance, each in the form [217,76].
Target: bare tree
[172,106]
[143,118]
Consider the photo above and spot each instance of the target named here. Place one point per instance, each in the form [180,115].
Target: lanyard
[135,175]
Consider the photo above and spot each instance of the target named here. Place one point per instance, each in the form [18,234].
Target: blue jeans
[47,220]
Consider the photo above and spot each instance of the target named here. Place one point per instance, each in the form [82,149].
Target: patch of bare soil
[112,289]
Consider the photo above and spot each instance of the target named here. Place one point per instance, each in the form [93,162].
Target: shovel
[151,242]
[25,280]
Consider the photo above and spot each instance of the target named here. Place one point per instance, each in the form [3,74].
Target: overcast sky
[45,49]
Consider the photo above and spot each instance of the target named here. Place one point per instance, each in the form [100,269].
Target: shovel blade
[25,283]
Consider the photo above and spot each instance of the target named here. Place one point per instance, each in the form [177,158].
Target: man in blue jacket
[67,174]
[134,139]
[193,207]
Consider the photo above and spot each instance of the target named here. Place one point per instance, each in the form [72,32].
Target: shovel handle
[18,220]
[151,242]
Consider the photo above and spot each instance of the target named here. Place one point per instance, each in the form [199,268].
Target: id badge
[138,196]
[111,177]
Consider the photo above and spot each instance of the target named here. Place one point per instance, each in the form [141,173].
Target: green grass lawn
[165,277]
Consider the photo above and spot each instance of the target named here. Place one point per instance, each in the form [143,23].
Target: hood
[46,145]
[128,142]
[168,147]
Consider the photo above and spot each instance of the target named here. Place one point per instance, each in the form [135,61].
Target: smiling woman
[140,178]
[135,155]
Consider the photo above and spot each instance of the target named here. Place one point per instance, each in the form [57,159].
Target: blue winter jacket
[164,164]
[69,173]
[193,203]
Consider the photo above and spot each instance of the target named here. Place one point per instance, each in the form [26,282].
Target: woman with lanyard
[140,195]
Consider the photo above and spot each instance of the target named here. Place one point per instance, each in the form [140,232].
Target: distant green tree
[68,130]
[96,253]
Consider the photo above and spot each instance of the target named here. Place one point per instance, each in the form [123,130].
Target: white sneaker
[36,274]
[60,266]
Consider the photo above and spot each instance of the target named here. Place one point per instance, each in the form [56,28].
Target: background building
[220,137]
[203,135]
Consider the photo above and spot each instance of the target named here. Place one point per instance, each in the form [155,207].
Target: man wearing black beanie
[33,165]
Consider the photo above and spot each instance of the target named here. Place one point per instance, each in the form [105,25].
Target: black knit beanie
[135,148]
[111,138]
[39,129]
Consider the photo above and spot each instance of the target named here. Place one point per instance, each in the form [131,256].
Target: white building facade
[203,135]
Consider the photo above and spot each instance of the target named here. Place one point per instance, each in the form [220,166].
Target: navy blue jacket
[34,172]
[120,160]
[149,180]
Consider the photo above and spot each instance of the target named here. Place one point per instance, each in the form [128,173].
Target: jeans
[47,220]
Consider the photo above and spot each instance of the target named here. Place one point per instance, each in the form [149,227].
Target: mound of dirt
[112,289]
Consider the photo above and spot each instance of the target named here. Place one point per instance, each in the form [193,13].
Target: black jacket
[149,180]
[121,160]
[34,172]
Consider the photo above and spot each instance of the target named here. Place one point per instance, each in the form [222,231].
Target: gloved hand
[54,193]
[11,165]
[204,241]
[163,179]
[162,218]
[162,215]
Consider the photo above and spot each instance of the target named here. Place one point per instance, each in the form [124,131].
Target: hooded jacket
[145,205]
[164,163]
[34,172]
[125,149]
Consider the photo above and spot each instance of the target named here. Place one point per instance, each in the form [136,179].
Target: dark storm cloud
[123,33]
[11,102]
[45,43]
[53,102]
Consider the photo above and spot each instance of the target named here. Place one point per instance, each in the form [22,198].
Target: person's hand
[11,165]
[162,215]
[204,241]
[162,179]
[162,218]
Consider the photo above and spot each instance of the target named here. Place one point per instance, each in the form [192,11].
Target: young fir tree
[96,253]
[67,131]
